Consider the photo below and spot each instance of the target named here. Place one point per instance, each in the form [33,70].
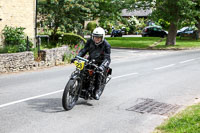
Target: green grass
[187,121]
[132,42]
[180,44]
[146,42]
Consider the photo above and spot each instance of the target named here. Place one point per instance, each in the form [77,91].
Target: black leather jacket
[100,53]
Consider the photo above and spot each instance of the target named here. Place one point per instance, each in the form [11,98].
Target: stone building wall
[18,13]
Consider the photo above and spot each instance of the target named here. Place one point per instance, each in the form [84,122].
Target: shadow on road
[83,102]
[52,105]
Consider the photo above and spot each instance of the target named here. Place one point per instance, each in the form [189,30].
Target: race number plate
[79,64]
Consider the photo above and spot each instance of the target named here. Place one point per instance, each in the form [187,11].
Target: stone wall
[24,61]
[18,13]
[52,57]
[16,62]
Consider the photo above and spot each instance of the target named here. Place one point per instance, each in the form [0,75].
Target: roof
[139,13]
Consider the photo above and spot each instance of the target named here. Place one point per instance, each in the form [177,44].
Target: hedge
[70,38]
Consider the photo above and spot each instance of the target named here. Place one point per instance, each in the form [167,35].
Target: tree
[65,15]
[109,10]
[172,11]
[197,15]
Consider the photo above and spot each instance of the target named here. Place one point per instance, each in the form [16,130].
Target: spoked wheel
[71,94]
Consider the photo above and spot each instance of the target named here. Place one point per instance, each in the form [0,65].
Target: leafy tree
[172,11]
[109,10]
[197,15]
[65,15]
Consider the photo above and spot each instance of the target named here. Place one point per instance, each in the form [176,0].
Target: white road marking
[164,67]
[125,75]
[187,61]
[51,93]
[30,98]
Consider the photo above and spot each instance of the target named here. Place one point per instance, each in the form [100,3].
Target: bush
[70,38]
[74,50]
[62,39]
[91,26]
[14,39]
[107,25]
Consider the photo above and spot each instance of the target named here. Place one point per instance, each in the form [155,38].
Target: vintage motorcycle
[82,82]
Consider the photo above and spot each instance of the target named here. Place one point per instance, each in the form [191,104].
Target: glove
[72,60]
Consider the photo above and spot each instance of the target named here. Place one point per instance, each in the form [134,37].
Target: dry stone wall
[16,62]
[52,57]
[24,61]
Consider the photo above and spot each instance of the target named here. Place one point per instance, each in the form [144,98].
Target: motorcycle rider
[99,50]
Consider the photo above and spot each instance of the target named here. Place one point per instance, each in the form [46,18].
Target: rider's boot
[97,90]
[97,93]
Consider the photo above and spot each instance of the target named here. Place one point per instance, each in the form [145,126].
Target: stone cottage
[18,13]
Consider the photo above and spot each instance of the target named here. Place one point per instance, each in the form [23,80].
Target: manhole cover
[154,107]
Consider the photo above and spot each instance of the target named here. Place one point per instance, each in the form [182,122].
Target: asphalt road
[30,102]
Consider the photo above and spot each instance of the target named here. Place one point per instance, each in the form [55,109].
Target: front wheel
[71,94]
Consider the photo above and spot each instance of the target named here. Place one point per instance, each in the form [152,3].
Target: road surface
[142,80]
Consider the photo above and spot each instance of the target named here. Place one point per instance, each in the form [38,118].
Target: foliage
[70,38]
[164,24]
[86,32]
[135,25]
[91,26]
[62,39]
[172,11]
[65,15]
[74,49]
[108,25]
[109,10]
[14,39]
[13,36]
[69,15]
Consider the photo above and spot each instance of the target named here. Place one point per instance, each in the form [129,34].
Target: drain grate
[154,107]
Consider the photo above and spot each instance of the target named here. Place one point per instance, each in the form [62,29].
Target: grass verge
[151,43]
[133,42]
[187,121]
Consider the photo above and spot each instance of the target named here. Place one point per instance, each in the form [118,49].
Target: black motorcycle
[82,82]
[116,33]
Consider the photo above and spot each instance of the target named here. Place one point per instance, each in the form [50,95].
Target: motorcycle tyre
[66,105]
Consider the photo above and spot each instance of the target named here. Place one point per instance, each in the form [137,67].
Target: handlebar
[91,63]
[81,58]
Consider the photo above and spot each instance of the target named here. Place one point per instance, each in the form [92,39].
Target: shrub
[14,39]
[73,52]
[62,38]
[69,38]
[91,26]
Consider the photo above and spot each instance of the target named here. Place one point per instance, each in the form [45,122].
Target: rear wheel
[71,93]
